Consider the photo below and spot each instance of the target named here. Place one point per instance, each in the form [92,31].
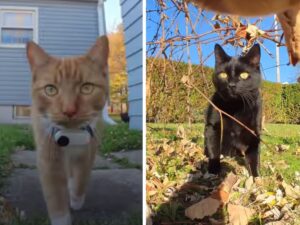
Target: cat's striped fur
[66,92]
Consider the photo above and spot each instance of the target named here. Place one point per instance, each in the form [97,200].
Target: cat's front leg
[80,170]
[253,158]
[54,184]
[212,148]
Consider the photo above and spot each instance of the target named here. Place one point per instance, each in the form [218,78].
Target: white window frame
[15,116]
[14,9]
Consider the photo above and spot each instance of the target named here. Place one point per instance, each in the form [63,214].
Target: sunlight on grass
[175,159]
[286,163]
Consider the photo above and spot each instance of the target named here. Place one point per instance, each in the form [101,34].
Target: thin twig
[187,83]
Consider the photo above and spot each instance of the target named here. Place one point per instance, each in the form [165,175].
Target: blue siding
[66,28]
[133,26]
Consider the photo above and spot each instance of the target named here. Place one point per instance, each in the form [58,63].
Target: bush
[169,101]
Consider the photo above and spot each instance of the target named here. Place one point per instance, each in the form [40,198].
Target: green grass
[10,138]
[120,137]
[116,118]
[115,138]
[285,163]
[125,163]
[171,158]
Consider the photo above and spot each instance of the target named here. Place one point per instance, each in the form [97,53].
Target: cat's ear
[253,56]
[99,52]
[36,55]
[220,55]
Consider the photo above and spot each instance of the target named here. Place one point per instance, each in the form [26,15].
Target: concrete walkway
[113,191]
[134,157]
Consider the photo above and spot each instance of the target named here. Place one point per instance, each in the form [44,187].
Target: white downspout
[102,31]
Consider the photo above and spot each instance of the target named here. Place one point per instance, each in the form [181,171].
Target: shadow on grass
[172,212]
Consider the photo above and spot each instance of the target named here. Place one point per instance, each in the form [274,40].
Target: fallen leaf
[192,186]
[279,195]
[290,191]
[276,223]
[181,132]
[224,189]
[253,31]
[185,79]
[264,196]
[258,181]
[282,148]
[274,213]
[249,183]
[271,200]
[206,207]
[239,215]
[216,222]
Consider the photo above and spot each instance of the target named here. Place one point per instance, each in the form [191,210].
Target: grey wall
[65,28]
[133,27]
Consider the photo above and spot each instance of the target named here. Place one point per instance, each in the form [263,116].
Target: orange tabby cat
[66,93]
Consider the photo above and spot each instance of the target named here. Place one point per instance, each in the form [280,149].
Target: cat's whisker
[247,100]
[244,106]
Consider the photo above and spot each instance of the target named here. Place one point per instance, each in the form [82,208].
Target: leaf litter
[177,175]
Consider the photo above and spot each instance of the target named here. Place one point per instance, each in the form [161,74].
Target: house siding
[65,28]
[133,26]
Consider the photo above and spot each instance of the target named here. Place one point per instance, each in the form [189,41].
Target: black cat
[237,82]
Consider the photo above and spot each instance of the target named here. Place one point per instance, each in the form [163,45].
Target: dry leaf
[274,213]
[249,183]
[239,215]
[206,207]
[276,223]
[271,200]
[253,31]
[151,190]
[185,79]
[223,191]
[290,191]
[181,132]
[216,222]
[192,186]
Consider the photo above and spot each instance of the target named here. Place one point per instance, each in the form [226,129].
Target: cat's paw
[76,202]
[214,166]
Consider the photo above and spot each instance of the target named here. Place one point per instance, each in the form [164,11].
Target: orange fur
[69,106]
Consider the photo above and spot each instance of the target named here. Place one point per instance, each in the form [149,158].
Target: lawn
[177,172]
[10,138]
[114,138]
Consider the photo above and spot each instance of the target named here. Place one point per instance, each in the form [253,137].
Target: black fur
[241,99]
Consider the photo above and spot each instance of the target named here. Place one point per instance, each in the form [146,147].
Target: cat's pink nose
[70,112]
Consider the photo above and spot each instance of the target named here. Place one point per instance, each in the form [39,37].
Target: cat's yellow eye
[244,75]
[223,75]
[87,89]
[51,90]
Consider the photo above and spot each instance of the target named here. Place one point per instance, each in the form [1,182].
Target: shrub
[169,101]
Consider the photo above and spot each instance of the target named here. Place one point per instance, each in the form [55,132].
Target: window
[22,112]
[17,26]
